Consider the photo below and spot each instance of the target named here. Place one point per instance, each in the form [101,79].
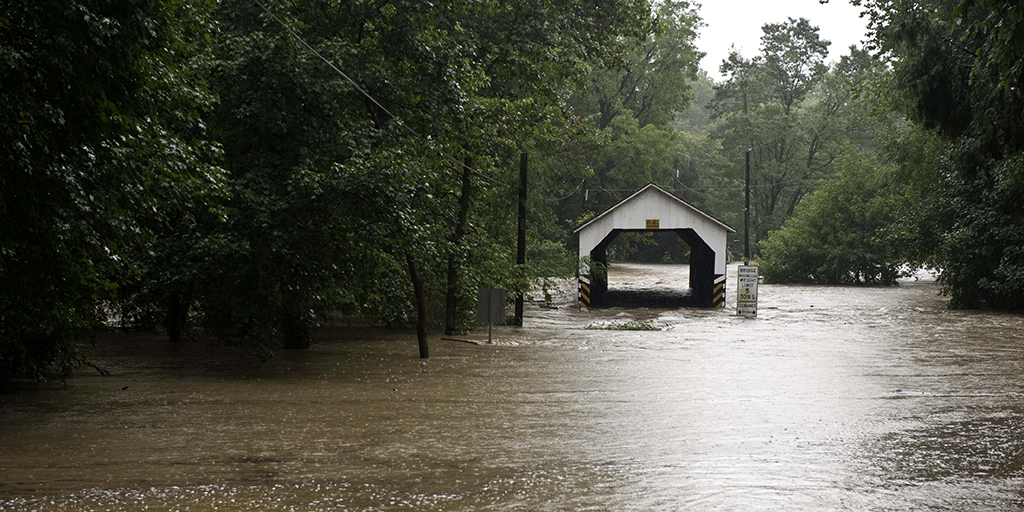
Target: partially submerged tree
[101,145]
[956,74]
[838,234]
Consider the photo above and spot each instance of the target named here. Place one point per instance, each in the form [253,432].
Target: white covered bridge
[653,209]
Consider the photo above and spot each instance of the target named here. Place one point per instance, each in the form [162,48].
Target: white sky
[739,22]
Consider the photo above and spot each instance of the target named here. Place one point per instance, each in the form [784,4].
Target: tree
[762,106]
[696,118]
[992,28]
[651,84]
[101,140]
[632,103]
[956,78]
[518,107]
[795,113]
[838,233]
[326,178]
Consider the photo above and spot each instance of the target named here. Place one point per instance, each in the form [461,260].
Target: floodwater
[832,399]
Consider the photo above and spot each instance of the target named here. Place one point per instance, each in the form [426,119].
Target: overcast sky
[739,22]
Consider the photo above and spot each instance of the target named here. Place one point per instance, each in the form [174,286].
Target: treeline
[247,167]
[943,184]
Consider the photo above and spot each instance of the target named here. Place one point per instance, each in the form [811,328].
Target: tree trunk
[297,333]
[451,298]
[797,196]
[421,306]
[521,245]
[178,305]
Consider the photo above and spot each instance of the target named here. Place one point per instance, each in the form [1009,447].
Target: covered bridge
[652,208]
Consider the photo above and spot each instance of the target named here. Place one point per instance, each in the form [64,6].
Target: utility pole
[746,217]
[521,245]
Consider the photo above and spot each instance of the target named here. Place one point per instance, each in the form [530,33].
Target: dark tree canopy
[956,71]
[101,141]
[177,165]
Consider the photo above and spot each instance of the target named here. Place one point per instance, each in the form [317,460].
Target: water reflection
[835,398]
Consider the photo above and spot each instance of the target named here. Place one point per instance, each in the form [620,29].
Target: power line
[710,189]
[370,97]
[459,163]
[574,190]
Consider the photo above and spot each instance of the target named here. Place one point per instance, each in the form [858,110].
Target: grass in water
[632,325]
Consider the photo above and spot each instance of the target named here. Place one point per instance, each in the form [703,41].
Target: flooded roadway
[833,399]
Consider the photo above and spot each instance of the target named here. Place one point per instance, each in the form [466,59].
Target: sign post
[490,307]
[746,291]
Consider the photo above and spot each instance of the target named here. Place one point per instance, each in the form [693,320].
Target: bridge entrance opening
[694,290]
[648,247]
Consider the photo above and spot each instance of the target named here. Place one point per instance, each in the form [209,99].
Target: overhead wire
[574,190]
[458,162]
[711,189]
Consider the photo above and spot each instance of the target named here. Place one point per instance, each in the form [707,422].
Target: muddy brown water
[833,399]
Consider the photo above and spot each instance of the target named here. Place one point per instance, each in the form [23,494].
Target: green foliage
[101,144]
[696,118]
[795,114]
[651,84]
[993,29]
[632,104]
[956,74]
[967,225]
[838,233]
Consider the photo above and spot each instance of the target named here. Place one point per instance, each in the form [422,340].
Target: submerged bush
[838,233]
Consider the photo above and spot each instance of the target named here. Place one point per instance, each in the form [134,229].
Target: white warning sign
[746,291]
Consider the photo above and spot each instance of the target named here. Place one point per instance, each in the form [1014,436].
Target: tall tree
[634,100]
[956,74]
[317,163]
[795,113]
[100,140]
[529,55]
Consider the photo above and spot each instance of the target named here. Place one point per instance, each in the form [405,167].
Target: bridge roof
[681,203]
